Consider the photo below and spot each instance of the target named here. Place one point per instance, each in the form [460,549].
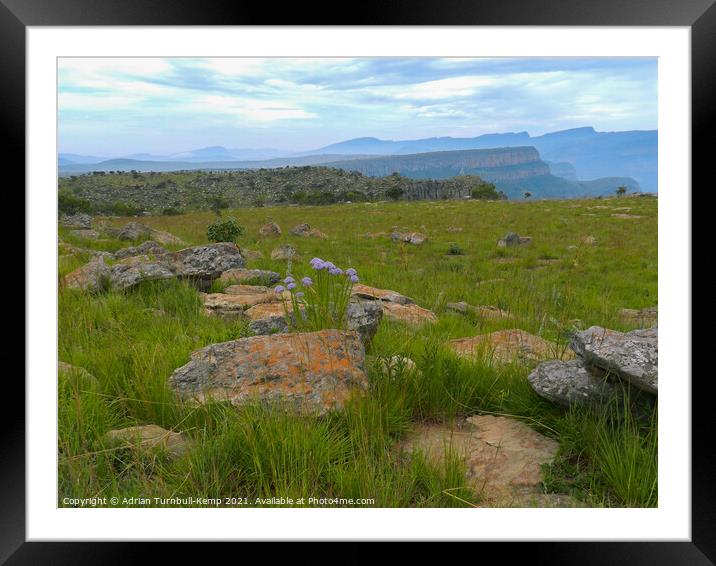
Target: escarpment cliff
[497,164]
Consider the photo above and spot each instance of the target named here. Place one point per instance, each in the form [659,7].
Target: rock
[149,247]
[415,238]
[252,255]
[588,240]
[624,215]
[316,233]
[364,317]
[409,314]
[133,270]
[570,383]
[361,316]
[503,457]
[251,290]
[149,438]
[235,302]
[315,371]
[249,276]
[643,318]
[93,276]
[480,310]
[506,346]
[513,239]
[366,292]
[633,356]
[398,365]
[489,281]
[136,231]
[454,229]
[301,230]
[270,229]
[85,234]
[208,261]
[285,252]
[80,221]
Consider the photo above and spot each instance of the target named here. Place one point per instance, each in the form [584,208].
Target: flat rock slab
[150,247]
[149,437]
[503,456]
[367,292]
[250,276]
[506,346]
[236,301]
[643,318]
[571,383]
[484,311]
[633,356]
[315,371]
[624,215]
[411,314]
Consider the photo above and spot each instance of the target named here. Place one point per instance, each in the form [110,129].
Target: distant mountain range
[580,154]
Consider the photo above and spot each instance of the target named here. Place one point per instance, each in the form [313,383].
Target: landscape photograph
[368,282]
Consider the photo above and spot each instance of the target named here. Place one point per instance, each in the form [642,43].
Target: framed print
[401,279]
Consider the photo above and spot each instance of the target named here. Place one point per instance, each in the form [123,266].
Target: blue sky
[112,107]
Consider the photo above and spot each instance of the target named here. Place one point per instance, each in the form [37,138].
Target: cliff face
[506,163]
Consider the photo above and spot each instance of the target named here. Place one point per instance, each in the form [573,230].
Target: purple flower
[350,272]
[289,279]
[299,294]
[354,279]
[306,281]
[335,271]
[291,286]
[328,265]
[280,288]
[317,263]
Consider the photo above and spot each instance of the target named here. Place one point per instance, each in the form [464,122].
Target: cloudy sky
[111,107]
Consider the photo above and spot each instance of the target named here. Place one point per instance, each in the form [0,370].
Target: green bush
[224,230]
[68,203]
[485,191]
[455,249]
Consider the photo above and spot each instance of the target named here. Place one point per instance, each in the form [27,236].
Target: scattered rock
[136,231]
[643,318]
[149,247]
[513,239]
[250,276]
[208,261]
[133,270]
[267,318]
[148,438]
[315,371]
[570,383]
[633,356]
[589,240]
[80,221]
[624,215]
[366,292]
[93,276]
[410,314]
[480,310]
[316,233]
[489,281]
[238,298]
[503,456]
[506,346]
[270,229]
[85,234]
[252,255]
[454,229]
[305,231]
[284,253]
[415,238]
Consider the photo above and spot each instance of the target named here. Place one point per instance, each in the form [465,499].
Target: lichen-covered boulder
[208,261]
[270,229]
[150,247]
[367,292]
[315,371]
[633,356]
[411,314]
[133,270]
[92,276]
[79,221]
[570,383]
[506,346]
[250,276]
[285,252]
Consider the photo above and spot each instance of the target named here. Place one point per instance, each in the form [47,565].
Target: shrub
[455,249]
[485,191]
[224,230]
[67,203]
[394,193]
[171,211]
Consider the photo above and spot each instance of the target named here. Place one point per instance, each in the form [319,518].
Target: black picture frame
[699,15]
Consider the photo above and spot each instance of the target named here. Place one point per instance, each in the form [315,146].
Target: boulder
[79,221]
[236,302]
[513,239]
[315,371]
[301,230]
[133,270]
[267,318]
[285,252]
[85,234]
[149,247]
[93,276]
[316,233]
[506,346]
[410,314]
[250,276]
[206,262]
[148,438]
[415,238]
[479,310]
[270,229]
[643,318]
[252,255]
[503,458]
[633,356]
[570,383]
[136,231]
[366,292]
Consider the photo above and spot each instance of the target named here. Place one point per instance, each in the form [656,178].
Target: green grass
[132,341]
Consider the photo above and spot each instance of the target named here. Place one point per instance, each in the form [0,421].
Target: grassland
[132,341]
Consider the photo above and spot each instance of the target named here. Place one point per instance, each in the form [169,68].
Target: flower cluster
[323,298]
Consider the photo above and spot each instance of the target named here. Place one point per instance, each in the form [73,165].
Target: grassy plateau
[132,341]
